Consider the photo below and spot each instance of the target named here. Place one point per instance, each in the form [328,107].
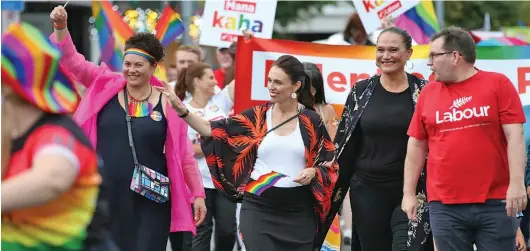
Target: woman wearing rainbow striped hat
[141,139]
[51,180]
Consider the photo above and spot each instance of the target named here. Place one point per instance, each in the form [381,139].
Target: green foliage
[470,14]
[292,11]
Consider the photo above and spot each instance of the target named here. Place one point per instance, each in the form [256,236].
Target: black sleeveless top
[139,224]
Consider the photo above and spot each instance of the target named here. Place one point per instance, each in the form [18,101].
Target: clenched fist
[59,16]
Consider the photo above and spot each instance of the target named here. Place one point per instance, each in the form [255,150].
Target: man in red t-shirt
[470,121]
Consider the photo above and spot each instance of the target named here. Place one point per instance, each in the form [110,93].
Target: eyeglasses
[432,55]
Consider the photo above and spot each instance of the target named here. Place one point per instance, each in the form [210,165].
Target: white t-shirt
[187,97]
[217,108]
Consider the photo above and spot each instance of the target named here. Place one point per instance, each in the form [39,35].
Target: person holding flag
[136,132]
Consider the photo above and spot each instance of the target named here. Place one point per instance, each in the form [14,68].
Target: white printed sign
[223,20]
[372,11]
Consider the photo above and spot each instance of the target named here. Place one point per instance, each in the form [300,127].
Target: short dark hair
[458,39]
[296,72]
[317,82]
[407,39]
[148,43]
[191,48]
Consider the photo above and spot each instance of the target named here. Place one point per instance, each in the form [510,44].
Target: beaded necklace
[139,108]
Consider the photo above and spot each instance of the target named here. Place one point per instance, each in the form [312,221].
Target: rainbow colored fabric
[263,183]
[333,238]
[421,22]
[169,26]
[110,52]
[30,65]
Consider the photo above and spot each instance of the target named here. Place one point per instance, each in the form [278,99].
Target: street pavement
[344,248]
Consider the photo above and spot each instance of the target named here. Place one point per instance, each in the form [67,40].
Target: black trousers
[180,241]
[377,215]
[223,212]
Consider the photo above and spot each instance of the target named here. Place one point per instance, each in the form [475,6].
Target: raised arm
[81,70]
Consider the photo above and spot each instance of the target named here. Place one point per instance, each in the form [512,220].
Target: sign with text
[372,11]
[343,66]
[223,20]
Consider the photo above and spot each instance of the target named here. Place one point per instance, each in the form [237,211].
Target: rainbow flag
[112,31]
[122,31]
[169,26]
[421,22]
[333,238]
[263,183]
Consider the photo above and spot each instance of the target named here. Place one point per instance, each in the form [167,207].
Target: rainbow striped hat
[30,65]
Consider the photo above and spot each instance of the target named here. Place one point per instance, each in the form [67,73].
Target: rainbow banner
[344,65]
[169,26]
[333,238]
[421,22]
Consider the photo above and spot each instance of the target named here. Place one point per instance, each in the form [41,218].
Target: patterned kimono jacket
[356,102]
[231,153]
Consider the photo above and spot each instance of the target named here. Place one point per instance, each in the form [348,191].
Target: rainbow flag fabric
[421,22]
[333,238]
[169,26]
[263,183]
[107,43]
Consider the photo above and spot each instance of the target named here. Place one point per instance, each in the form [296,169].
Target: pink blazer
[102,84]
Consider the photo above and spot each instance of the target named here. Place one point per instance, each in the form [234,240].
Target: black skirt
[280,219]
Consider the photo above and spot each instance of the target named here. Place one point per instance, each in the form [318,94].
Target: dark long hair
[186,77]
[316,81]
[295,70]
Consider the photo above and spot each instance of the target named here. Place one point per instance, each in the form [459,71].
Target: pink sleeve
[192,175]
[80,69]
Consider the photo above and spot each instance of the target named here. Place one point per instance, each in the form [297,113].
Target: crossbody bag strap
[283,123]
[129,131]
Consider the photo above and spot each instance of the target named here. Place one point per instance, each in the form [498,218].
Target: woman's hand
[306,176]
[387,22]
[59,16]
[174,101]
[519,240]
[199,209]
[248,34]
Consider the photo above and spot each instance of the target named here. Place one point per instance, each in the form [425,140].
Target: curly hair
[146,42]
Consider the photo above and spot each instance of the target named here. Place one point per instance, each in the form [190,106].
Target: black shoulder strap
[284,122]
[129,131]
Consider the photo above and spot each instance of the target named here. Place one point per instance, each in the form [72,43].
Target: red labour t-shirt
[462,123]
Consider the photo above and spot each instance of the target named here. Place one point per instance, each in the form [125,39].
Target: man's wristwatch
[185,113]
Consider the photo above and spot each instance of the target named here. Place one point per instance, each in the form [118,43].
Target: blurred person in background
[119,109]
[371,150]
[200,82]
[225,61]
[354,33]
[172,73]
[50,181]
[185,56]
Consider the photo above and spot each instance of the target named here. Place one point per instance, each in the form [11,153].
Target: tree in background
[470,14]
[291,11]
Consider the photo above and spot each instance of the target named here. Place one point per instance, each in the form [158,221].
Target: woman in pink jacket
[147,155]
